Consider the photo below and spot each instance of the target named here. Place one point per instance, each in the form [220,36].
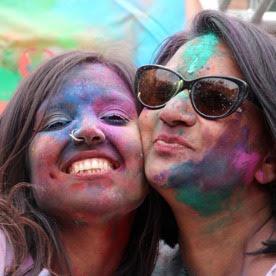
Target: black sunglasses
[212,97]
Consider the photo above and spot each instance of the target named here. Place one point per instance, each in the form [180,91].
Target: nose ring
[74,137]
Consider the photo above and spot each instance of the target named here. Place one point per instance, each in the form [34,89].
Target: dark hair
[27,227]
[255,53]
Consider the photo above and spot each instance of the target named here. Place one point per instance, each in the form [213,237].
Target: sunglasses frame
[188,84]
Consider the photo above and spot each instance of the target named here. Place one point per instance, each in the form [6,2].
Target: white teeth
[94,163]
[90,166]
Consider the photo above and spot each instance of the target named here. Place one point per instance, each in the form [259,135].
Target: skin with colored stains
[207,185]
[198,52]
[97,103]
[207,160]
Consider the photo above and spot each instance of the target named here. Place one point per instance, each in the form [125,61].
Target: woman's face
[198,161]
[101,176]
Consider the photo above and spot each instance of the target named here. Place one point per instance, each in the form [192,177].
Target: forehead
[202,56]
[88,83]
[97,74]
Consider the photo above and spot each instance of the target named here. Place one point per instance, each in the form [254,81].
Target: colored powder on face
[204,186]
[205,203]
[198,51]
[246,160]
[161,178]
[180,131]
[184,95]
[207,185]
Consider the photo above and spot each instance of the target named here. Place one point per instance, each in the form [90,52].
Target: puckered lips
[169,143]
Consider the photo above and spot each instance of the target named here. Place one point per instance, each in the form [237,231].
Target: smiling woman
[74,200]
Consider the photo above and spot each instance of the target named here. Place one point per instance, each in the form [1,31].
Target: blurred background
[34,30]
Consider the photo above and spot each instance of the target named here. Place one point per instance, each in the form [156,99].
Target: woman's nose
[178,110]
[89,132]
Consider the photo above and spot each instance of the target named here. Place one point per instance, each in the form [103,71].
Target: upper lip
[172,139]
[89,154]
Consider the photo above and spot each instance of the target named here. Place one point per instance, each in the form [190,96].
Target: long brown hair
[30,230]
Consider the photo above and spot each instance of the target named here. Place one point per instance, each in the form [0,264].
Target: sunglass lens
[156,86]
[214,96]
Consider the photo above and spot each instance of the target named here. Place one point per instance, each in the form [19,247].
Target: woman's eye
[115,119]
[55,125]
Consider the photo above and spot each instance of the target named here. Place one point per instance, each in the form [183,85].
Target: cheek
[227,159]
[247,162]
[222,134]
[128,142]
[233,158]
[147,122]
[43,153]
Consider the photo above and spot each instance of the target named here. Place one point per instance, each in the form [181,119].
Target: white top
[7,255]
[272,271]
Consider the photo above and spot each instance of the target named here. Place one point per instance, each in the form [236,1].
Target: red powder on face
[79,186]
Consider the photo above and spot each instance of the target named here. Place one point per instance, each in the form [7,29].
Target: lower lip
[167,148]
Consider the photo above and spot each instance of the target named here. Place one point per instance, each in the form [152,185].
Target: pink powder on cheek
[161,178]
[246,162]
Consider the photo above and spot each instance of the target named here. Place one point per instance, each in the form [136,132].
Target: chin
[157,169]
[98,207]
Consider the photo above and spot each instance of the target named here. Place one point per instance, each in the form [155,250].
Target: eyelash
[59,123]
[55,125]
[115,119]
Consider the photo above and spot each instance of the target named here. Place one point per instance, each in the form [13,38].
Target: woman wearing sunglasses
[73,195]
[208,131]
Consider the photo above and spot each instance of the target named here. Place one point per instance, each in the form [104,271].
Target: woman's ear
[267,172]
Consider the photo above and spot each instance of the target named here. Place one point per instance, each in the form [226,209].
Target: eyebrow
[116,97]
[112,97]
[57,107]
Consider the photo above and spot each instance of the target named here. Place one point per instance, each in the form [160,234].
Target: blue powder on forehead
[198,51]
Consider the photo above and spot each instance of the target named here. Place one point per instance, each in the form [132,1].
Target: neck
[95,248]
[216,244]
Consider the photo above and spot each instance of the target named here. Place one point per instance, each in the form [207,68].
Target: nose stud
[74,137]
[93,137]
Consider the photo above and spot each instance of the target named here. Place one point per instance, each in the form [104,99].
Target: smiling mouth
[91,166]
